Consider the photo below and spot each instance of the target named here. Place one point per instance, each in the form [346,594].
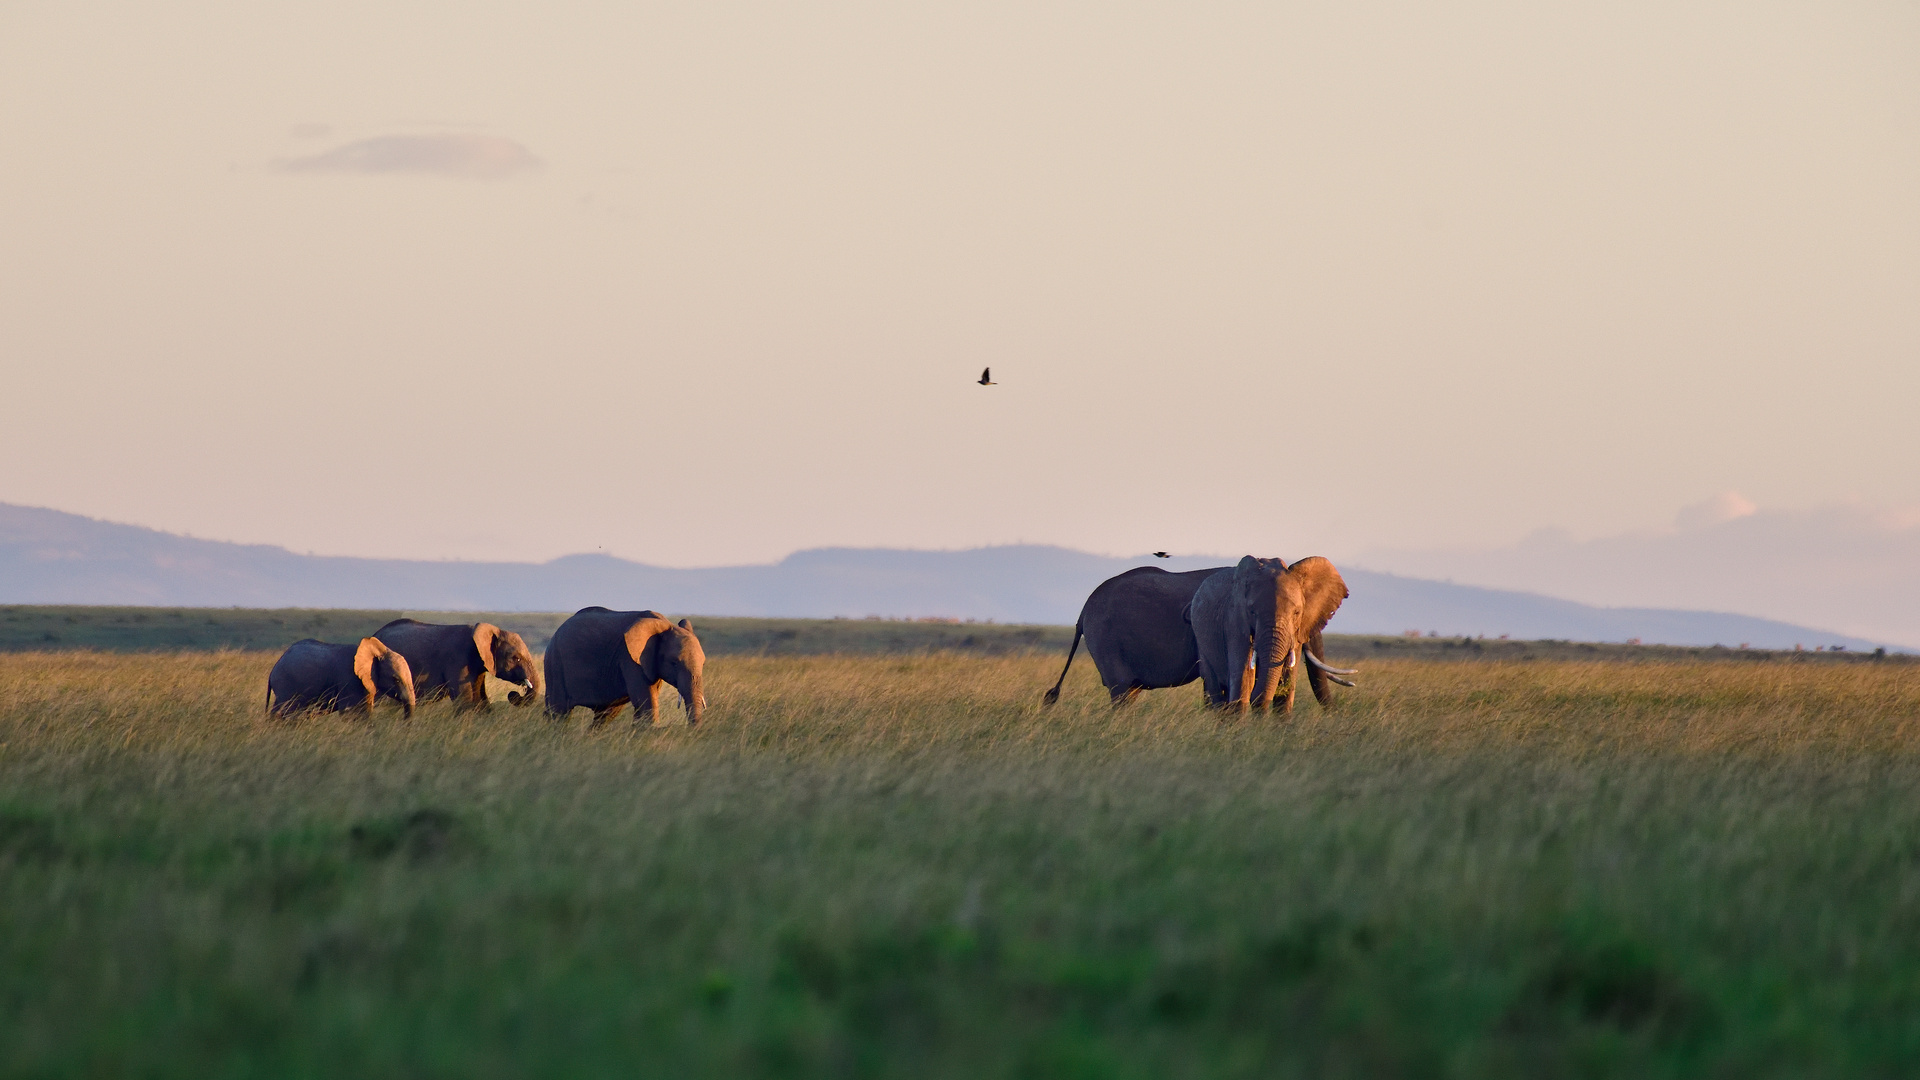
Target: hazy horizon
[705,286]
[1844,568]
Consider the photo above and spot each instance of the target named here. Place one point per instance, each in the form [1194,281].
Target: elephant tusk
[1324,666]
[1341,681]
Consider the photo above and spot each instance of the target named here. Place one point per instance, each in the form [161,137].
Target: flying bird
[986,377]
[1160,555]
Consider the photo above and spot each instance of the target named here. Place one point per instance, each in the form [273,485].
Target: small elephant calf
[603,659]
[455,659]
[323,676]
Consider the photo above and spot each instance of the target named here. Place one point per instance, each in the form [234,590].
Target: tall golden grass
[914,703]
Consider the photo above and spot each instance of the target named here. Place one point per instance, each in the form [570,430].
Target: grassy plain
[901,866]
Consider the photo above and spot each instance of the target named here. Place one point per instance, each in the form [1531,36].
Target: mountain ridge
[53,557]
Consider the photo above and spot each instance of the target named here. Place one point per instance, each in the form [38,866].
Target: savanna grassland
[901,866]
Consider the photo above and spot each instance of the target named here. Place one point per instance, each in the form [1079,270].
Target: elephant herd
[598,658]
[1239,629]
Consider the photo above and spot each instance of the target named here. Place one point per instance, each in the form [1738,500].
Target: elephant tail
[1053,695]
[269,704]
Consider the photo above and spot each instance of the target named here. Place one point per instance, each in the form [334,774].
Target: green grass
[901,866]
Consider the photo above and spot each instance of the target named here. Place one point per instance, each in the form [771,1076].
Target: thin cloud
[1722,508]
[475,157]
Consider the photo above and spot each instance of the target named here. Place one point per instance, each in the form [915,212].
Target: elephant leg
[602,715]
[1240,686]
[477,691]
[644,692]
[646,708]
[1213,689]
[1241,663]
[1123,695]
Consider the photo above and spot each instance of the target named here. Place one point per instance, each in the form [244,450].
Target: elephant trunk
[536,686]
[1273,655]
[692,688]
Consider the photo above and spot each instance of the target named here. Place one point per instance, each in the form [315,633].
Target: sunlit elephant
[323,676]
[1136,632]
[603,659]
[1253,623]
[455,660]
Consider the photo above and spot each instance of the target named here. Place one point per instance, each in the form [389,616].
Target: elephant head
[383,672]
[668,651]
[508,659]
[1284,608]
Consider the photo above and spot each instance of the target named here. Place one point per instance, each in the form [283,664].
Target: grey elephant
[1136,631]
[603,659]
[455,660]
[1252,625]
[324,676]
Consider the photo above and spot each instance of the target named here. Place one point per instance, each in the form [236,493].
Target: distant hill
[51,557]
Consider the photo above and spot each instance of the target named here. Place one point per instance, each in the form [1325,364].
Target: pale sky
[707,283]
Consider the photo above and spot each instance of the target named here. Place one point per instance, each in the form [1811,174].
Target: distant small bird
[986,377]
[1160,555]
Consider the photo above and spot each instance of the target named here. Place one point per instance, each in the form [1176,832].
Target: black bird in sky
[986,377]
[1160,555]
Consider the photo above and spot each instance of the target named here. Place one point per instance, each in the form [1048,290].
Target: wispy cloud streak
[473,157]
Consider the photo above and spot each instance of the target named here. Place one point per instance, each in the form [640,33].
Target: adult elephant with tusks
[455,660]
[323,676]
[1252,624]
[603,659]
[1136,631]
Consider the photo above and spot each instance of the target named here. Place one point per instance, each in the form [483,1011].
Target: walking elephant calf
[455,660]
[603,659]
[324,677]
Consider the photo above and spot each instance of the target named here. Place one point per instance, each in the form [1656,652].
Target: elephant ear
[370,650]
[1321,586]
[483,636]
[402,677]
[641,634]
